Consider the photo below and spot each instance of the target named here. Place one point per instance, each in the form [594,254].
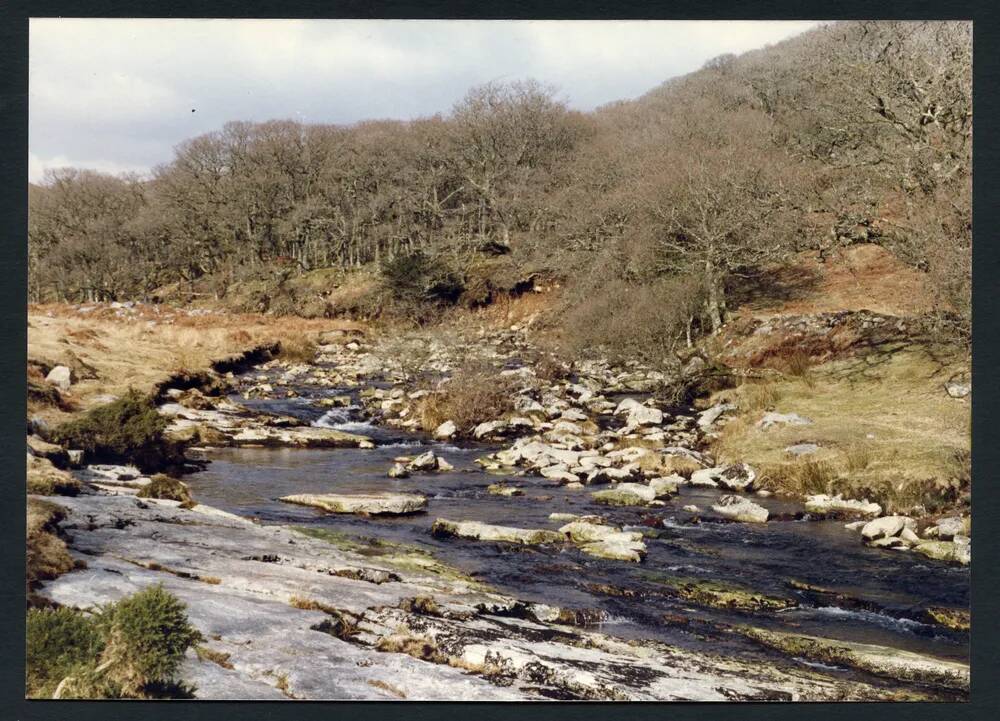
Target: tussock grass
[47,556]
[164,487]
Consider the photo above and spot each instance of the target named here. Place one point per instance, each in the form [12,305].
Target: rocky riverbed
[584,545]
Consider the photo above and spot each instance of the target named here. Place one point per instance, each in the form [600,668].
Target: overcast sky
[118,95]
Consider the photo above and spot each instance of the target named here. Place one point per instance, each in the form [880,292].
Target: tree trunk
[715,305]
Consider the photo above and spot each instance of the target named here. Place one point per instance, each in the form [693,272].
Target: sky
[117,95]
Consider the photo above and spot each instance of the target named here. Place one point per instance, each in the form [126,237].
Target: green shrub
[165,487]
[128,430]
[146,635]
[418,283]
[129,649]
[61,642]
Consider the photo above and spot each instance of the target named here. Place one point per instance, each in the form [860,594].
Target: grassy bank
[885,427]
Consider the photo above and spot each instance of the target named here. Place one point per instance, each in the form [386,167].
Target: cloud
[38,165]
[120,93]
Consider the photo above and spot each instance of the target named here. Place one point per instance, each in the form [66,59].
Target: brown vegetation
[472,395]
[852,132]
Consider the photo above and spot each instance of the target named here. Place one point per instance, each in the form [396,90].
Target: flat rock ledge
[297,616]
[878,660]
[371,504]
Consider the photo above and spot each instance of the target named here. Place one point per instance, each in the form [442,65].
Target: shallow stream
[763,558]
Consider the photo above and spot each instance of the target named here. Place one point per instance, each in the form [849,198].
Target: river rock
[741,509]
[665,486]
[625,494]
[429,461]
[948,528]
[478,531]
[823,505]
[705,477]
[502,489]
[786,419]
[398,470]
[639,414]
[880,660]
[885,527]
[945,551]
[61,377]
[489,429]
[559,472]
[39,448]
[736,477]
[371,504]
[608,542]
[300,437]
[445,431]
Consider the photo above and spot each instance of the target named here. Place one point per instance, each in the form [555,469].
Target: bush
[61,642]
[146,636]
[417,284]
[624,320]
[128,430]
[472,396]
[164,487]
[129,649]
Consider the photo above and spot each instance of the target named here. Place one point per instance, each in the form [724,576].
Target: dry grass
[143,351]
[220,658]
[47,556]
[472,396]
[377,683]
[886,428]
[420,647]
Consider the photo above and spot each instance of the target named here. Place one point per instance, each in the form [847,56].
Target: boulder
[57,455]
[398,470]
[707,418]
[478,531]
[824,505]
[445,431]
[736,477]
[61,377]
[885,527]
[639,414]
[489,428]
[945,551]
[958,390]
[948,528]
[607,542]
[429,461]
[741,509]
[502,489]
[665,486]
[705,477]
[372,504]
[625,494]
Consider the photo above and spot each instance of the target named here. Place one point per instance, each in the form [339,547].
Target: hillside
[850,133]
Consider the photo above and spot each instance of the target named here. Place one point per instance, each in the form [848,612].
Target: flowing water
[897,585]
